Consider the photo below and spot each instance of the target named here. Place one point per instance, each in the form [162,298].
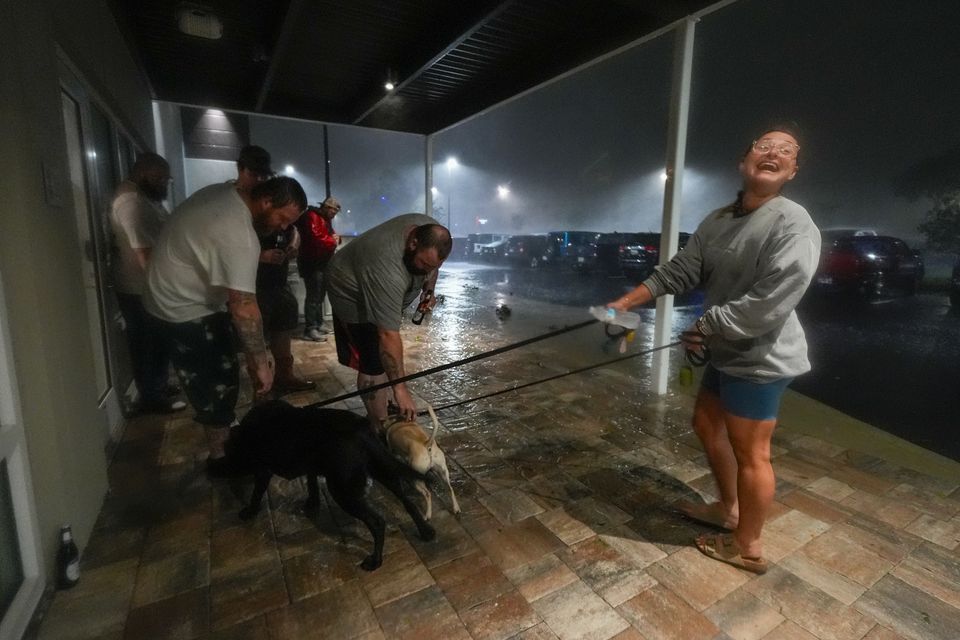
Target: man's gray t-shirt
[367,280]
[754,269]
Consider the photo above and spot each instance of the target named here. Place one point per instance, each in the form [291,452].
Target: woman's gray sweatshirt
[754,268]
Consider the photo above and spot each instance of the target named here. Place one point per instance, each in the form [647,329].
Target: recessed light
[198,21]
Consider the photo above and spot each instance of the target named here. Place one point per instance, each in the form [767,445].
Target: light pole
[451,163]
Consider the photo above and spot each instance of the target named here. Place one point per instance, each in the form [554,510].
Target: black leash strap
[555,377]
[457,363]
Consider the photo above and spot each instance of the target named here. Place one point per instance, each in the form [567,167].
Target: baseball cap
[256,159]
[331,202]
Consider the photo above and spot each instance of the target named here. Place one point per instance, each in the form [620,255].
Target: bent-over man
[201,285]
[370,281]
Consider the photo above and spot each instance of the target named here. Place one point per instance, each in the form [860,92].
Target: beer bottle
[68,560]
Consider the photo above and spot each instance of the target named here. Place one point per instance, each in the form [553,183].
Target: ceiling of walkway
[328,60]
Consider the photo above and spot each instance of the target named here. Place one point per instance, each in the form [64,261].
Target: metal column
[326,161]
[676,151]
[428,174]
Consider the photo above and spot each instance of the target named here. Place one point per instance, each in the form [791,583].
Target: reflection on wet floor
[568,527]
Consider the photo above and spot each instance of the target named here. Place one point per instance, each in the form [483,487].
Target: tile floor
[567,528]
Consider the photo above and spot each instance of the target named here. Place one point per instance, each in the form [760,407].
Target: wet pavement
[568,527]
[893,363]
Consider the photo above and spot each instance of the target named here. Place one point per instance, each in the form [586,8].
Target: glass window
[11,565]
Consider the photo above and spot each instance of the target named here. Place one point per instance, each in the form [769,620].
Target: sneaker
[325,331]
[165,405]
[314,335]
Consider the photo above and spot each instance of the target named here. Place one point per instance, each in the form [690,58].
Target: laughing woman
[754,258]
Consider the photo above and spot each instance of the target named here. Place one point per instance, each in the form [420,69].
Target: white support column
[428,174]
[676,152]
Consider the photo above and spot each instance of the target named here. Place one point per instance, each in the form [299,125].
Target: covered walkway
[568,529]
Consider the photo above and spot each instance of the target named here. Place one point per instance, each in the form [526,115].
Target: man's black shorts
[279,309]
[358,346]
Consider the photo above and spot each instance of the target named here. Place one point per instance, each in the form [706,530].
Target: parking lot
[891,362]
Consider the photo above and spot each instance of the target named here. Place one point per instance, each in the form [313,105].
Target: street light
[451,163]
[503,191]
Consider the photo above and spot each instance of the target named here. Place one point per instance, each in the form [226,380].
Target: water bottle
[68,560]
[625,319]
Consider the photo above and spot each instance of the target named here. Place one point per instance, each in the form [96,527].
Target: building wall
[39,248]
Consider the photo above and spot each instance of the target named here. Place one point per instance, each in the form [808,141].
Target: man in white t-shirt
[136,217]
[201,285]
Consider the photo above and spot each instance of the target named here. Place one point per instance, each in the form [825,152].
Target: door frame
[112,342]
[13,448]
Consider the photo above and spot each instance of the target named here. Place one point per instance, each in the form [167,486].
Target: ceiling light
[389,86]
[289,170]
[201,22]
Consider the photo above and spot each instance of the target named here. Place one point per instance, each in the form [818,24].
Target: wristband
[701,326]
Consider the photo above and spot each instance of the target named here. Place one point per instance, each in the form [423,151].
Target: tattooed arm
[391,356]
[249,326]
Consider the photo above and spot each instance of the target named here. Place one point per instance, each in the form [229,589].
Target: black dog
[276,438]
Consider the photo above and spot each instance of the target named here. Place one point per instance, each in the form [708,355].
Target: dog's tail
[435,479]
[436,423]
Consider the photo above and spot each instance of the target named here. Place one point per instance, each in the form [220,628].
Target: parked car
[576,249]
[493,251]
[475,242]
[461,249]
[638,258]
[609,248]
[868,266]
[526,250]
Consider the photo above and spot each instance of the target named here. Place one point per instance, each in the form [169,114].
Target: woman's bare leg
[709,425]
[756,484]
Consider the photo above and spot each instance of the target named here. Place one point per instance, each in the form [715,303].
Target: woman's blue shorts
[745,398]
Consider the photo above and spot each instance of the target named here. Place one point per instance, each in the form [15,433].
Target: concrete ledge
[805,415]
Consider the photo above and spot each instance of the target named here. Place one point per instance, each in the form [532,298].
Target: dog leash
[554,377]
[456,363]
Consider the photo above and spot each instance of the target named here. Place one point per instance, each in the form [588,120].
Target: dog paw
[248,513]
[370,563]
[428,533]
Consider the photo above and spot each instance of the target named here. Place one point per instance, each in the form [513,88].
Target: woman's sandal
[700,512]
[724,548]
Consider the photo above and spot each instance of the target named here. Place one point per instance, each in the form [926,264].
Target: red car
[868,266]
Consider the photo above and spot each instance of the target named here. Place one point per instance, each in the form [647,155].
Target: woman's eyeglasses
[783,148]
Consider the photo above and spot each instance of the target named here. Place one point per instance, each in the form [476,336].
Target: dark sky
[873,86]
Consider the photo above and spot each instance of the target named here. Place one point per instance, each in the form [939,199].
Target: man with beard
[278,306]
[136,217]
[201,285]
[370,281]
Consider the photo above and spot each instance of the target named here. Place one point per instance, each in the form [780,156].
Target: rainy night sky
[871,84]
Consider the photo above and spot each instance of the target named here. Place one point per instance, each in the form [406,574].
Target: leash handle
[693,357]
